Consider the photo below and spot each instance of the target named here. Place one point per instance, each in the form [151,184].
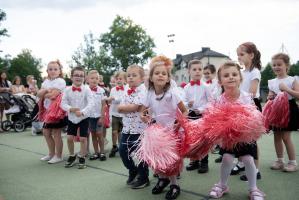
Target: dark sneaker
[236,170]
[140,183]
[70,161]
[203,168]
[173,193]
[132,176]
[218,160]
[244,177]
[94,156]
[102,157]
[81,164]
[192,165]
[161,184]
[113,152]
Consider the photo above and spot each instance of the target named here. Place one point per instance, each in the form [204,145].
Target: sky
[54,29]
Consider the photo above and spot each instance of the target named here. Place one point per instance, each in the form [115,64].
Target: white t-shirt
[273,84]
[164,110]
[244,98]
[118,96]
[57,83]
[214,89]
[132,123]
[249,76]
[98,96]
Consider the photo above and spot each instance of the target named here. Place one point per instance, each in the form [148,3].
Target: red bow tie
[131,91]
[119,88]
[195,82]
[94,89]
[209,82]
[76,89]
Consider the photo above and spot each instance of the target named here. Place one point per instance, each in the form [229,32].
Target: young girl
[17,86]
[209,73]
[229,76]
[250,57]
[162,102]
[288,84]
[31,86]
[50,89]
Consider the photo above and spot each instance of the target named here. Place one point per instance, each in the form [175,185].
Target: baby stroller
[21,113]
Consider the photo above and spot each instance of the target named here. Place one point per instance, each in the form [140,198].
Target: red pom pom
[55,113]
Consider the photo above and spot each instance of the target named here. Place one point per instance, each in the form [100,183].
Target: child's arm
[271,95]
[41,93]
[128,108]
[293,92]
[253,87]
[182,108]
[144,114]
[90,104]
[52,94]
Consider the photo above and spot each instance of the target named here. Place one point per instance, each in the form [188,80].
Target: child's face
[53,70]
[93,79]
[244,58]
[133,77]
[195,72]
[120,80]
[78,78]
[18,81]
[230,78]
[208,74]
[279,67]
[160,76]
[3,76]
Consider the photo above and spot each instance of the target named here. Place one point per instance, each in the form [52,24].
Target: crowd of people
[141,98]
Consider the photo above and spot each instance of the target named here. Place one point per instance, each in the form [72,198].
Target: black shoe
[192,165]
[102,157]
[203,168]
[218,160]
[113,152]
[244,177]
[173,193]
[156,175]
[70,161]
[236,170]
[95,156]
[132,176]
[81,164]
[161,184]
[140,183]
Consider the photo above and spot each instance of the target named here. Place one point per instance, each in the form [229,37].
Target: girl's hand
[176,125]
[145,117]
[190,104]
[283,87]
[73,110]
[270,96]
[78,113]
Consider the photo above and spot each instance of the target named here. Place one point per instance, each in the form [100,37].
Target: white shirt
[249,76]
[98,96]
[164,110]
[132,123]
[197,93]
[244,98]
[273,84]
[118,96]
[57,83]
[74,99]
[215,89]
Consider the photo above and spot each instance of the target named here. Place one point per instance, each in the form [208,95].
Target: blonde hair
[93,72]
[228,65]
[140,69]
[120,73]
[56,62]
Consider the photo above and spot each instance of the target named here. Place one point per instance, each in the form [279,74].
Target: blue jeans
[126,147]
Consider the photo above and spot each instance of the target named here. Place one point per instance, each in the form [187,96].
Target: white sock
[280,159]
[240,164]
[293,162]
[226,167]
[250,171]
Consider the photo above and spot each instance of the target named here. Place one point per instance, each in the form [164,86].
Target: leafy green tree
[25,64]
[3,31]
[126,43]
[267,74]
[294,69]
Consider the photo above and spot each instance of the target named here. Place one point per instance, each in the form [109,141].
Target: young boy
[196,96]
[133,126]
[95,119]
[116,95]
[77,101]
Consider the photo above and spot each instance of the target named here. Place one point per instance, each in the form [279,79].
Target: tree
[126,43]
[3,31]
[25,64]
[294,69]
[267,74]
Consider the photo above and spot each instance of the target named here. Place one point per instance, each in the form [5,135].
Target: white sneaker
[46,158]
[54,160]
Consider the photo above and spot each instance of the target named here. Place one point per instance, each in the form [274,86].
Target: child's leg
[115,137]
[58,141]
[101,141]
[50,142]
[70,144]
[287,140]
[250,171]
[125,149]
[173,180]
[278,144]
[226,167]
[83,146]
[95,142]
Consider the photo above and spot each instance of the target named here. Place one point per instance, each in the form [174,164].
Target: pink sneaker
[290,168]
[218,191]
[277,165]
[256,195]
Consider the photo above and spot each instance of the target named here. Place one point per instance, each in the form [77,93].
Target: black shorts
[242,149]
[62,123]
[83,127]
[193,116]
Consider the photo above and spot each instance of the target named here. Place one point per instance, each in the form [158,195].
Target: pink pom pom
[41,110]
[159,148]
[55,112]
[277,111]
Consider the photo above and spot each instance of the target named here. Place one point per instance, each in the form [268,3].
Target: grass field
[24,177]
